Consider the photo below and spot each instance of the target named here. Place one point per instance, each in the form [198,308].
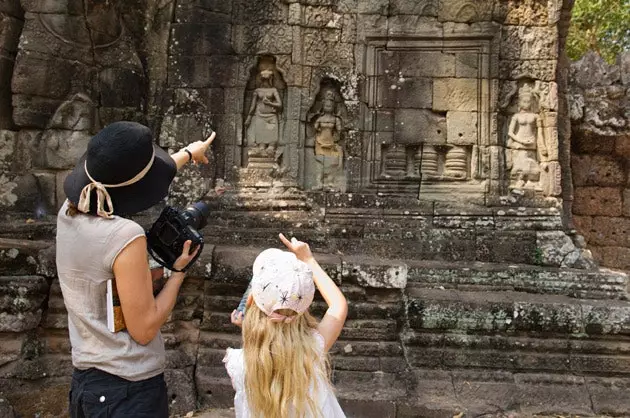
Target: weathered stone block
[120,87]
[417,8]
[323,48]
[372,273]
[321,17]
[467,65]
[44,76]
[201,39]
[181,390]
[460,94]
[603,201]
[21,302]
[552,393]
[6,72]
[63,148]
[465,11]
[414,93]
[204,11]
[414,126]
[597,170]
[614,257]
[626,202]
[504,246]
[590,143]
[554,247]
[410,25]
[544,70]
[371,25]
[10,29]
[524,43]
[462,128]
[373,7]
[516,12]
[427,64]
[479,390]
[608,395]
[261,13]
[622,146]
[213,71]
[368,409]
[270,39]
[607,231]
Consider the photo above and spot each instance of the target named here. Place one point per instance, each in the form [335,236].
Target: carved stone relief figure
[326,120]
[524,139]
[263,118]
[328,128]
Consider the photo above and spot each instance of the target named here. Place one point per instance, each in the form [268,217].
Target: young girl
[282,370]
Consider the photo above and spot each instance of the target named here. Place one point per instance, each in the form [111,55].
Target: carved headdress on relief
[267,72]
[328,95]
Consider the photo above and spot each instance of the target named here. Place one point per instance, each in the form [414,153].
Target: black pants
[96,394]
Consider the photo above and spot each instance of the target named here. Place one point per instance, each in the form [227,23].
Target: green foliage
[602,26]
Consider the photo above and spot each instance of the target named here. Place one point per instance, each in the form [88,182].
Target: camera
[166,238]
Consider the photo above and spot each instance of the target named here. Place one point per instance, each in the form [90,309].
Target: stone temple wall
[420,146]
[600,113]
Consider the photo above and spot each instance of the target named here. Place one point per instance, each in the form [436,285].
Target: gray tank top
[86,249]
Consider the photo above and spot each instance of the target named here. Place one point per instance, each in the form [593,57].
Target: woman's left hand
[198,149]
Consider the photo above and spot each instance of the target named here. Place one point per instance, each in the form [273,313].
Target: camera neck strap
[104,205]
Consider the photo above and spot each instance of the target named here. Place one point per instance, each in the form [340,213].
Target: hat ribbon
[103,197]
[276,317]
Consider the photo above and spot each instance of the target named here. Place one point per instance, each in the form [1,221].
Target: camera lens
[196,215]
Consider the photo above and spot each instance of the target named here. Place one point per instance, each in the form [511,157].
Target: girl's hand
[301,249]
[237,318]
[185,258]
[198,149]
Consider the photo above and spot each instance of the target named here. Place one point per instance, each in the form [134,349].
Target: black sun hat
[123,172]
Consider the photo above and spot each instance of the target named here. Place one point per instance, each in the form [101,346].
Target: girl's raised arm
[331,325]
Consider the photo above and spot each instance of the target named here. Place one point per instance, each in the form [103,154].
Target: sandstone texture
[600,143]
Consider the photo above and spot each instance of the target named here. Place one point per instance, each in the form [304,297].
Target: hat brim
[137,197]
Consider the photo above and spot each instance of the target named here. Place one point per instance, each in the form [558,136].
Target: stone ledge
[435,309]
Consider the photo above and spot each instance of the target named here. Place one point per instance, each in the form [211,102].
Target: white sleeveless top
[235,364]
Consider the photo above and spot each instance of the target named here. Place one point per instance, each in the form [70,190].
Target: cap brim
[128,200]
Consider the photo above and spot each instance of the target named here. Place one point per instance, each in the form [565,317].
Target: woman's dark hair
[72,209]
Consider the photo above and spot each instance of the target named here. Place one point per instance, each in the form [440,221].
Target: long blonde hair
[282,361]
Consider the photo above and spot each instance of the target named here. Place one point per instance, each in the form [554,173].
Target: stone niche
[429,115]
[325,134]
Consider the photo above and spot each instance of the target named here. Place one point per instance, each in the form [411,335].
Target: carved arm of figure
[252,109]
[512,129]
[276,103]
[540,137]
[338,128]
[318,125]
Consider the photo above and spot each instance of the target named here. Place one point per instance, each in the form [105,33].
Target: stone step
[514,312]
[439,392]
[594,284]
[233,265]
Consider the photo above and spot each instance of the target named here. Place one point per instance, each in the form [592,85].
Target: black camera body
[166,238]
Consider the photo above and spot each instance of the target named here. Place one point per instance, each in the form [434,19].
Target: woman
[122,173]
